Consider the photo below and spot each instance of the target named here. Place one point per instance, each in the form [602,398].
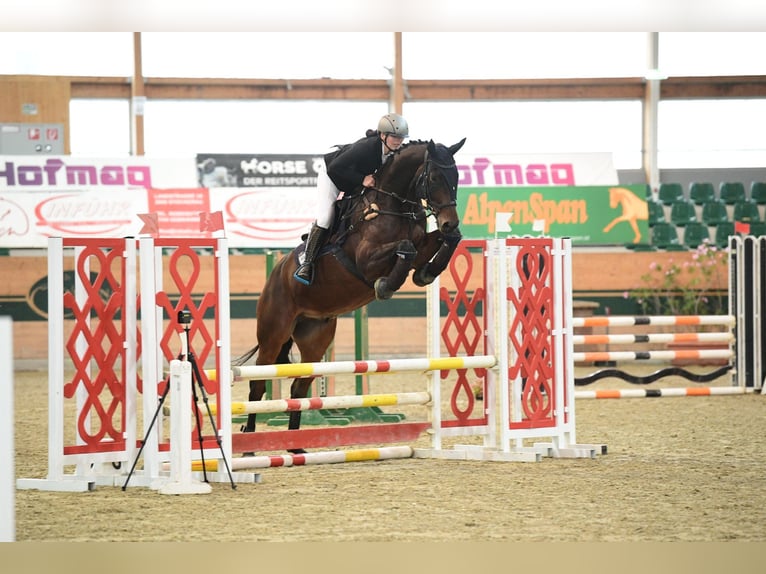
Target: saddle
[339,231]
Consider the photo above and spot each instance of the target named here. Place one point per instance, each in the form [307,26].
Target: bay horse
[382,237]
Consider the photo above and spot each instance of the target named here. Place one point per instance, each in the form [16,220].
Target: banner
[589,215]
[257,170]
[268,200]
[67,173]
[271,217]
[250,217]
[537,170]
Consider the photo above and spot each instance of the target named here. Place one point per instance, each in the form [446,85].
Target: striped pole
[336,402]
[651,393]
[612,321]
[326,457]
[290,370]
[653,355]
[721,337]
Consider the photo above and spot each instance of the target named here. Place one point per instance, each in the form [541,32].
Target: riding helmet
[393,124]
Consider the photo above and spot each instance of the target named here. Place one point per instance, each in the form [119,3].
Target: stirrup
[303,280]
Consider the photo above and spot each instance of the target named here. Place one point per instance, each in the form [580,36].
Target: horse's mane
[440,154]
[407,145]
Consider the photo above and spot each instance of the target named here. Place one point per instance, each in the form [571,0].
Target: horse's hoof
[296,451]
[421,277]
[381,292]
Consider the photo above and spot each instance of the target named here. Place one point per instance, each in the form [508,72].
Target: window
[712,53]
[527,55]
[67,53]
[529,127]
[185,128]
[293,55]
[99,128]
[711,133]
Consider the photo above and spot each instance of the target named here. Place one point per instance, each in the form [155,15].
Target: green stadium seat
[695,234]
[746,211]
[714,212]
[758,192]
[665,237]
[670,193]
[722,232]
[731,192]
[758,228]
[701,192]
[682,212]
[656,212]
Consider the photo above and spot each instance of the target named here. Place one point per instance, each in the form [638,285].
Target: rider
[347,169]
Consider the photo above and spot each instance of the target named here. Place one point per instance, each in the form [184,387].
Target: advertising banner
[594,215]
[268,200]
[536,170]
[250,217]
[67,173]
[296,170]
[273,217]
[257,170]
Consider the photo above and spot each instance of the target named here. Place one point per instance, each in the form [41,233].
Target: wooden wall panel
[51,95]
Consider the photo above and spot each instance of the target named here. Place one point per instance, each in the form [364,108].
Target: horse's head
[435,184]
[424,173]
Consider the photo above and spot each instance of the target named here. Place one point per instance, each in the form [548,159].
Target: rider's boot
[305,272]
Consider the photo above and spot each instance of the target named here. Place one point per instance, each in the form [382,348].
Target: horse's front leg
[298,390]
[257,390]
[432,268]
[386,286]
[313,337]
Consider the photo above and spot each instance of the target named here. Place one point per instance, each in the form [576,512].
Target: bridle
[423,184]
[423,192]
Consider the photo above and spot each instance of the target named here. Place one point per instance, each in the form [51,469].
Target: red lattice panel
[100,322]
[464,329]
[531,324]
[185,268]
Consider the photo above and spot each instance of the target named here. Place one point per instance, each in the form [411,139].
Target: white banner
[567,169]
[263,217]
[62,173]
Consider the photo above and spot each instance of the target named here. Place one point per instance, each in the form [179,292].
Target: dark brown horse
[382,238]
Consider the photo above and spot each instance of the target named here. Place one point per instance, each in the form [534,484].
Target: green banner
[600,215]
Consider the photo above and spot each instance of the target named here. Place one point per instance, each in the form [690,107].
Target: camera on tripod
[184,317]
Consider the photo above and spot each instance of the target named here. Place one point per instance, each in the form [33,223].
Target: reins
[419,209]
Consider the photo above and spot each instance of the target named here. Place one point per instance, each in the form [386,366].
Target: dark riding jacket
[348,165]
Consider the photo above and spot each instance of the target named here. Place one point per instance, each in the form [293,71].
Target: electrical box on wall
[31,139]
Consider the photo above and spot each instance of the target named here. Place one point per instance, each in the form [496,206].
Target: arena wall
[396,327]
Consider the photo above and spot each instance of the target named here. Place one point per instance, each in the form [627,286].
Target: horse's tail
[242,359]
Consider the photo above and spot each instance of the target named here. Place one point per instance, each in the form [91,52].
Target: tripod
[184,319]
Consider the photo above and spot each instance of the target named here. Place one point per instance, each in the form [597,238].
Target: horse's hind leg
[258,387]
[312,336]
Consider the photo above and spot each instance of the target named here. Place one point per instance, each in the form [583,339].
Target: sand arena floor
[677,469]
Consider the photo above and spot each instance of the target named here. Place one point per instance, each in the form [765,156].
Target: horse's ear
[431,147]
[455,148]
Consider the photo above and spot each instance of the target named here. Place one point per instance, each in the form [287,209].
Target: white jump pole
[7,451]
